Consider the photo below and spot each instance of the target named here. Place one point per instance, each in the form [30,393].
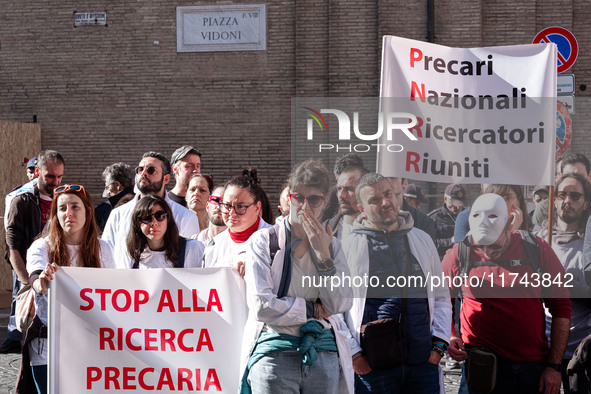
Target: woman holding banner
[70,239]
[153,240]
[293,341]
[241,210]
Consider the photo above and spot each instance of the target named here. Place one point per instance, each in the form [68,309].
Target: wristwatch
[554,366]
[439,350]
[326,267]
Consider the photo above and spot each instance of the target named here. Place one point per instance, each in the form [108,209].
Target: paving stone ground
[9,364]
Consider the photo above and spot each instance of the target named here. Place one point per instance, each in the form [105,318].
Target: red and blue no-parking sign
[567,45]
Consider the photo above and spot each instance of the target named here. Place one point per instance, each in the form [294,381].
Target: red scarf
[243,236]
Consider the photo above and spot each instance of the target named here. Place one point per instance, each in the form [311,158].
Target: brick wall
[107,94]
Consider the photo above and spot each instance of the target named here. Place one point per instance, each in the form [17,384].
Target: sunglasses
[158,215]
[74,188]
[240,209]
[215,199]
[493,247]
[298,200]
[149,169]
[575,196]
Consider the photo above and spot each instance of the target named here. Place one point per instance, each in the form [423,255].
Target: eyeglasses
[240,209]
[575,196]
[493,247]
[74,188]
[298,200]
[149,169]
[158,215]
[215,199]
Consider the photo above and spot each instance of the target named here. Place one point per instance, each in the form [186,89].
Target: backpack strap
[273,241]
[182,248]
[532,250]
[530,245]
[181,259]
[464,256]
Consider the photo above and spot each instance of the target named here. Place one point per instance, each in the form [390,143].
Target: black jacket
[23,222]
[445,222]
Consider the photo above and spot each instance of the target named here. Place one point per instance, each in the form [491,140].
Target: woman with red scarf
[241,209]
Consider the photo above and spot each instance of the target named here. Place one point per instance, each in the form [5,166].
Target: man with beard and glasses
[342,223]
[153,173]
[502,276]
[25,219]
[214,214]
[572,202]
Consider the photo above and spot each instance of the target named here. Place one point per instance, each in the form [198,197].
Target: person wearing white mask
[502,313]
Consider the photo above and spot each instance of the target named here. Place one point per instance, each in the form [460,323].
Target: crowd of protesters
[318,339]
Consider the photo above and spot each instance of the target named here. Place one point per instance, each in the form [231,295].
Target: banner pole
[550,214]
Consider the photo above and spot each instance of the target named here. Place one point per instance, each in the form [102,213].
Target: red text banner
[140,331]
[475,115]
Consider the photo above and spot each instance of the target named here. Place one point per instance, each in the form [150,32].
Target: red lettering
[93,374]
[182,308]
[106,335]
[414,89]
[197,380]
[111,375]
[103,293]
[150,336]
[167,337]
[128,342]
[165,300]
[141,380]
[417,129]
[184,376]
[119,338]
[212,379]
[415,56]
[214,300]
[180,341]
[128,378]
[137,300]
[165,379]
[196,307]
[127,300]
[204,340]
[87,299]
[412,158]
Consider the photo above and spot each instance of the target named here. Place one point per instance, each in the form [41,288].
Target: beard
[149,187]
[347,210]
[44,187]
[217,221]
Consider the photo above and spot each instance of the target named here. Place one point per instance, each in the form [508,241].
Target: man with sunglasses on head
[185,161]
[25,219]
[573,206]
[504,275]
[214,215]
[153,173]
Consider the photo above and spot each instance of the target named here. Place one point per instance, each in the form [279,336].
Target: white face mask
[488,218]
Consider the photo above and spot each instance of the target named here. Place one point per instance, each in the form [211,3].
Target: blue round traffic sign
[566,43]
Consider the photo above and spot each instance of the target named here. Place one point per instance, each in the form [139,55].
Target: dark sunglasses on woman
[159,216]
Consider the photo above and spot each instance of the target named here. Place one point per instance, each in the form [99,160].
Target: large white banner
[139,331]
[481,115]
